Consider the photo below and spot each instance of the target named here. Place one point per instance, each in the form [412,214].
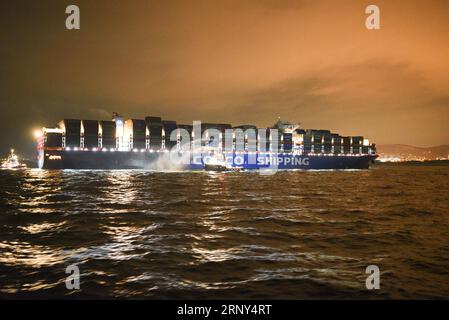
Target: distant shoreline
[414,163]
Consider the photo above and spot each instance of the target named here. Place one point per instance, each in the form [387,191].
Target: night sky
[239,62]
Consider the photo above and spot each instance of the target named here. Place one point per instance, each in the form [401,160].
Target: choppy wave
[147,234]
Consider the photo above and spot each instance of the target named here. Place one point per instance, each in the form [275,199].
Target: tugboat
[215,162]
[12,162]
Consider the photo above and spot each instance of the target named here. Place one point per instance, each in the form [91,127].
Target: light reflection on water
[225,235]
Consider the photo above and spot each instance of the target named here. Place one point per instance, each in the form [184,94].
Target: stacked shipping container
[153,133]
[89,134]
[71,133]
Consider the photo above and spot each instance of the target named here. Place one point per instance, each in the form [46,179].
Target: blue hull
[62,159]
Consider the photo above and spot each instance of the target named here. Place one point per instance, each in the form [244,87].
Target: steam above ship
[156,144]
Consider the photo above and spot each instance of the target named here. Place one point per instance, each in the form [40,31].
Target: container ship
[156,144]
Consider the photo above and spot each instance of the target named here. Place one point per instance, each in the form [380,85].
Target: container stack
[181,142]
[209,135]
[224,129]
[365,147]
[307,142]
[327,143]
[317,138]
[263,140]
[238,139]
[272,140]
[89,134]
[287,142]
[221,128]
[337,143]
[357,142]
[169,127]
[346,145]
[135,134]
[106,135]
[71,129]
[154,132]
[249,134]
[52,139]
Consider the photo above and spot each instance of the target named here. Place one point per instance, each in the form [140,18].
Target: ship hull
[62,159]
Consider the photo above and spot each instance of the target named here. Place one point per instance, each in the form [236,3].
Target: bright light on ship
[365,142]
[37,133]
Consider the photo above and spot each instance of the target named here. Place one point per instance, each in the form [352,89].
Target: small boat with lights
[12,162]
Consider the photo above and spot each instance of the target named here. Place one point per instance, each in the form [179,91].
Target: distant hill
[404,151]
